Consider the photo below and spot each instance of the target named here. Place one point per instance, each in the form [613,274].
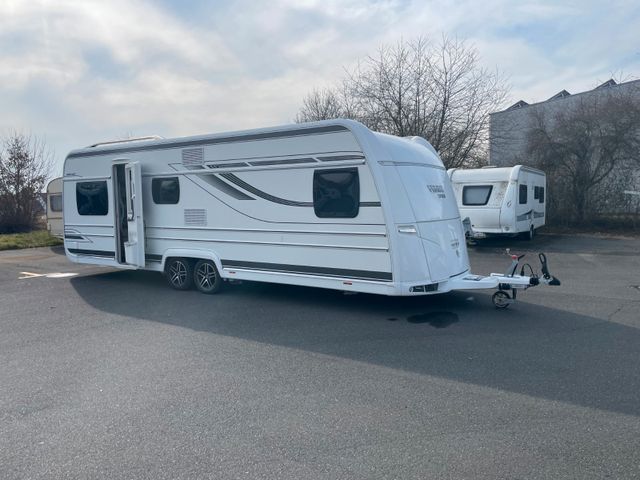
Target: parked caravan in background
[54,208]
[326,204]
[501,201]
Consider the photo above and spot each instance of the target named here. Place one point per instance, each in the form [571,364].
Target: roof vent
[193,157]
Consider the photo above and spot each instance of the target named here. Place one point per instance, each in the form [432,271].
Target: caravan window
[522,195]
[336,193]
[165,190]
[541,195]
[476,194]
[92,198]
[55,202]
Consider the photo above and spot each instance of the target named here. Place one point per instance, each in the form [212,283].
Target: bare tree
[590,153]
[417,88]
[25,164]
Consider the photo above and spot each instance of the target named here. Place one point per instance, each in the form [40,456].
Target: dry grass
[37,238]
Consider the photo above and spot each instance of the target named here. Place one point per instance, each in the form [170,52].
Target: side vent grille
[195,217]
[193,157]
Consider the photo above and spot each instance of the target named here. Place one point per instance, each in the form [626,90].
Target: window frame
[104,190]
[156,192]
[355,210]
[51,205]
[486,200]
[523,188]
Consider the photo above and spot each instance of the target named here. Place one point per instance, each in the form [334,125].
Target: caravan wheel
[179,273]
[206,277]
[532,233]
[501,299]
[527,234]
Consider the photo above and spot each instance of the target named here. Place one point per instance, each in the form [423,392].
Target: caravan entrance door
[127,183]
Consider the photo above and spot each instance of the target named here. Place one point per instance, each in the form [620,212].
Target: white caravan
[501,201]
[54,208]
[327,204]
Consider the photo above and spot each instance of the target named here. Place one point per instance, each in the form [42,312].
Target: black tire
[528,235]
[206,277]
[501,299]
[179,273]
[532,233]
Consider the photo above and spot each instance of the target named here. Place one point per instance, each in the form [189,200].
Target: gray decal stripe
[288,161]
[151,257]
[336,158]
[283,201]
[92,253]
[309,270]
[215,141]
[524,216]
[228,165]
[250,188]
[214,181]
[73,237]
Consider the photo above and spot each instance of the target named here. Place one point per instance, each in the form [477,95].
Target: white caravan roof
[502,174]
[409,149]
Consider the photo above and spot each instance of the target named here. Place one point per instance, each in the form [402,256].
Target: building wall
[508,129]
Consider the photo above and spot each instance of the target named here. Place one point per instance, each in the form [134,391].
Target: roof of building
[564,94]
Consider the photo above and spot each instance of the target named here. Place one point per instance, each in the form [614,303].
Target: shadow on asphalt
[57,250]
[527,349]
[552,243]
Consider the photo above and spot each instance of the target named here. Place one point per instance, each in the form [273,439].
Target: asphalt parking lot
[114,375]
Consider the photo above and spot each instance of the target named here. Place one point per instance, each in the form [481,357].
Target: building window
[475,195]
[336,193]
[92,198]
[55,202]
[165,190]
[523,195]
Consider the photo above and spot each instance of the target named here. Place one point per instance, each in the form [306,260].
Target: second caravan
[501,201]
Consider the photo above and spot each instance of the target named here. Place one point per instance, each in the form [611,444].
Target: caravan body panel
[274,205]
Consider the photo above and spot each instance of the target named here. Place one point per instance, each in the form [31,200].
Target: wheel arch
[196,253]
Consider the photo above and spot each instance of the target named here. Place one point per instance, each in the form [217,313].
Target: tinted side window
[541,195]
[522,194]
[55,202]
[92,198]
[476,194]
[336,193]
[536,193]
[165,190]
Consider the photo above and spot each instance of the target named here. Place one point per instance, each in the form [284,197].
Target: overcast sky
[77,72]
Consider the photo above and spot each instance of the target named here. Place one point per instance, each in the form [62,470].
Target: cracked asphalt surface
[114,375]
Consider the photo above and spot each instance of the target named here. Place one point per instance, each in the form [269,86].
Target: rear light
[424,288]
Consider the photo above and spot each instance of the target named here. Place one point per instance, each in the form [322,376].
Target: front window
[476,195]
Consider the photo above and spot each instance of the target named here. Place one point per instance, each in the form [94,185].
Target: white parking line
[47,275]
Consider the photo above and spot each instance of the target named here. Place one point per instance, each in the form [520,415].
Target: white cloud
[84,71]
